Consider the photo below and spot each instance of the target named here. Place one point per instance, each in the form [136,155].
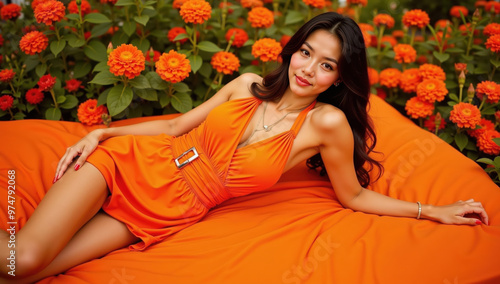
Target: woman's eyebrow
[327,58]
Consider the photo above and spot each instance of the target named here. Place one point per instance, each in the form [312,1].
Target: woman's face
[314,67]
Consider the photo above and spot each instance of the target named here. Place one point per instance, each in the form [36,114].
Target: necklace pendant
[266,128]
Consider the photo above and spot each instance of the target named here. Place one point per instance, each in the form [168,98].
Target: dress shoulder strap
[300,119]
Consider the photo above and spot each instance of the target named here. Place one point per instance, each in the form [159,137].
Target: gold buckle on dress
[189,160]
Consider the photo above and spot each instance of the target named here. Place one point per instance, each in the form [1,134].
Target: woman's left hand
[458,213]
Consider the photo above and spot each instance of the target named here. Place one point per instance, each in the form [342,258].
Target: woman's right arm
[174,127]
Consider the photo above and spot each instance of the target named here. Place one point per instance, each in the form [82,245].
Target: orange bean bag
[297,231]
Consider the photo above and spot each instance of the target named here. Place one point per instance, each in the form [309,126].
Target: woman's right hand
[82,148]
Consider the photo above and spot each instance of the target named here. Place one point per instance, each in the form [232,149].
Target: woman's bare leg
[66,207]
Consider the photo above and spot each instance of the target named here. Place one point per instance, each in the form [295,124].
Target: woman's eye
[328,66]
[304,52]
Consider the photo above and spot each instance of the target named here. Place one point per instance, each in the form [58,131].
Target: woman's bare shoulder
[241,85]
[328,118]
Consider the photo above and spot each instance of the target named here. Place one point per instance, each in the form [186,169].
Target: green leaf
[453,97]
[209,47]
[455,50]
[164,99]
[100,30]
[103,97]
[74,17]
[181,87]
[53,114]
[293,17]
[60,99]
[71,102]
[19,116]
[74,41]
[104,78]
[41,69]
[125,3]
[57,46]
[496,162]
[96,50]
[156,81]
[442,57]
[446,137]
[481,70]
[181,36]
[195,61]
[140,82]
[497,141]
[119,98]
[181,102]
[142,45]
[147,94]
[96,18]
[485,161]
[495,63]
[372,51]
[82,68]
[390,54]
[143,20]
[206,70]
[461,140]
[129,28]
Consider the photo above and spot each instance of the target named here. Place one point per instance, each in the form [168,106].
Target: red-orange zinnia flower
[320,4]
[455,11]
[261,17]
[465,115]
[173,67]
[178,4]
[126,60]
[85,7]
[384,19]
[493,43]
[6,102]
[10,12]
[6,75]
[251,3]
[49,12]
[372,76]
[431,71]
[358,2]
[417,108]
[156,56]
[35,3]
[111,2]
[486,144]
[266,49]
[46,82]
[432,90]
[73,85]
[239,36]
[490,89]
[430,123]
[492,6]
[388,39]
[89,113]
[405,53]
[34,96]
[491,29]
[416,18]
[195,11]
[484,124]
[174,32]
[410,78]
[390,77]
[225,62]
[33,43]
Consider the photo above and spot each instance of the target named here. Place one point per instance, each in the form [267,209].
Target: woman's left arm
[337,146]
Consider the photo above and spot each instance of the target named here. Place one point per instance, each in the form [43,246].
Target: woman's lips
[301,81]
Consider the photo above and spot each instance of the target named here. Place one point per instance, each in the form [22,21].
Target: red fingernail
[77,166]
[478,222]
[54,181]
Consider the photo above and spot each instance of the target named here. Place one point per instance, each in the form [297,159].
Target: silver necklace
[267,127]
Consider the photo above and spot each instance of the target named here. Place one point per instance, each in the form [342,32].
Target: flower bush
[94,61]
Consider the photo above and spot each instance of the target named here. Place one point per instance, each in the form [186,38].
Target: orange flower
[367,38]
[33,43]
[465,115]
[239,36]
[416,18]
[111,2]
[73,85]
[173,67]
[455,11]
[174,32]
[320,4]
[10,12]
[195,11]
[85,7]
[261,17]
[480,4]
[486,144]
[417,108]
[465,29]
[266,49]
[430,123]
[484,124]
[491,29]
[490,89]
[251,3]
[373,76]
[89,113]
[156,56]
[405,53]
[225,62]
[432,90]
[443,24]
[459,67]
[284,40]
[34,96]
[384,19]
[178,4]
[398,34]
[493,7]
[358,2]
[49,12]
[6,75]
[493,43]
[6,102]
[390,77]
[126,60]
[388,39]
[366,27]
[35,3]
[410,78]
[46,82]
[431,71]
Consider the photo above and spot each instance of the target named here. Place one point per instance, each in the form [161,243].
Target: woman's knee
[31,258]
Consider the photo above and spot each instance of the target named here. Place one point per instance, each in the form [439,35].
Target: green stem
[471,36]
[412,37]
[54,98]
[460,92]
[224,15]
[482,102]
[490,77]
[195,46]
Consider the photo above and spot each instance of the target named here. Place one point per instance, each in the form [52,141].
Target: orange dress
[156,190]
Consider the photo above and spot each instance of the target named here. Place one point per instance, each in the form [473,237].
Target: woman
[167,174]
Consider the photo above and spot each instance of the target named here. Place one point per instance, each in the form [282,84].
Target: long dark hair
[351,96]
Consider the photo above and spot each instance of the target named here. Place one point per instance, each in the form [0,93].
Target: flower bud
[476,16]
[151,54]
[110,48]
[461,67]
[78,2]
[106,119]
[437,121]
[497,116]
[461,79]
[470,93]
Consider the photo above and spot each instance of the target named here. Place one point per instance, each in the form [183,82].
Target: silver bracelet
[419,209]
